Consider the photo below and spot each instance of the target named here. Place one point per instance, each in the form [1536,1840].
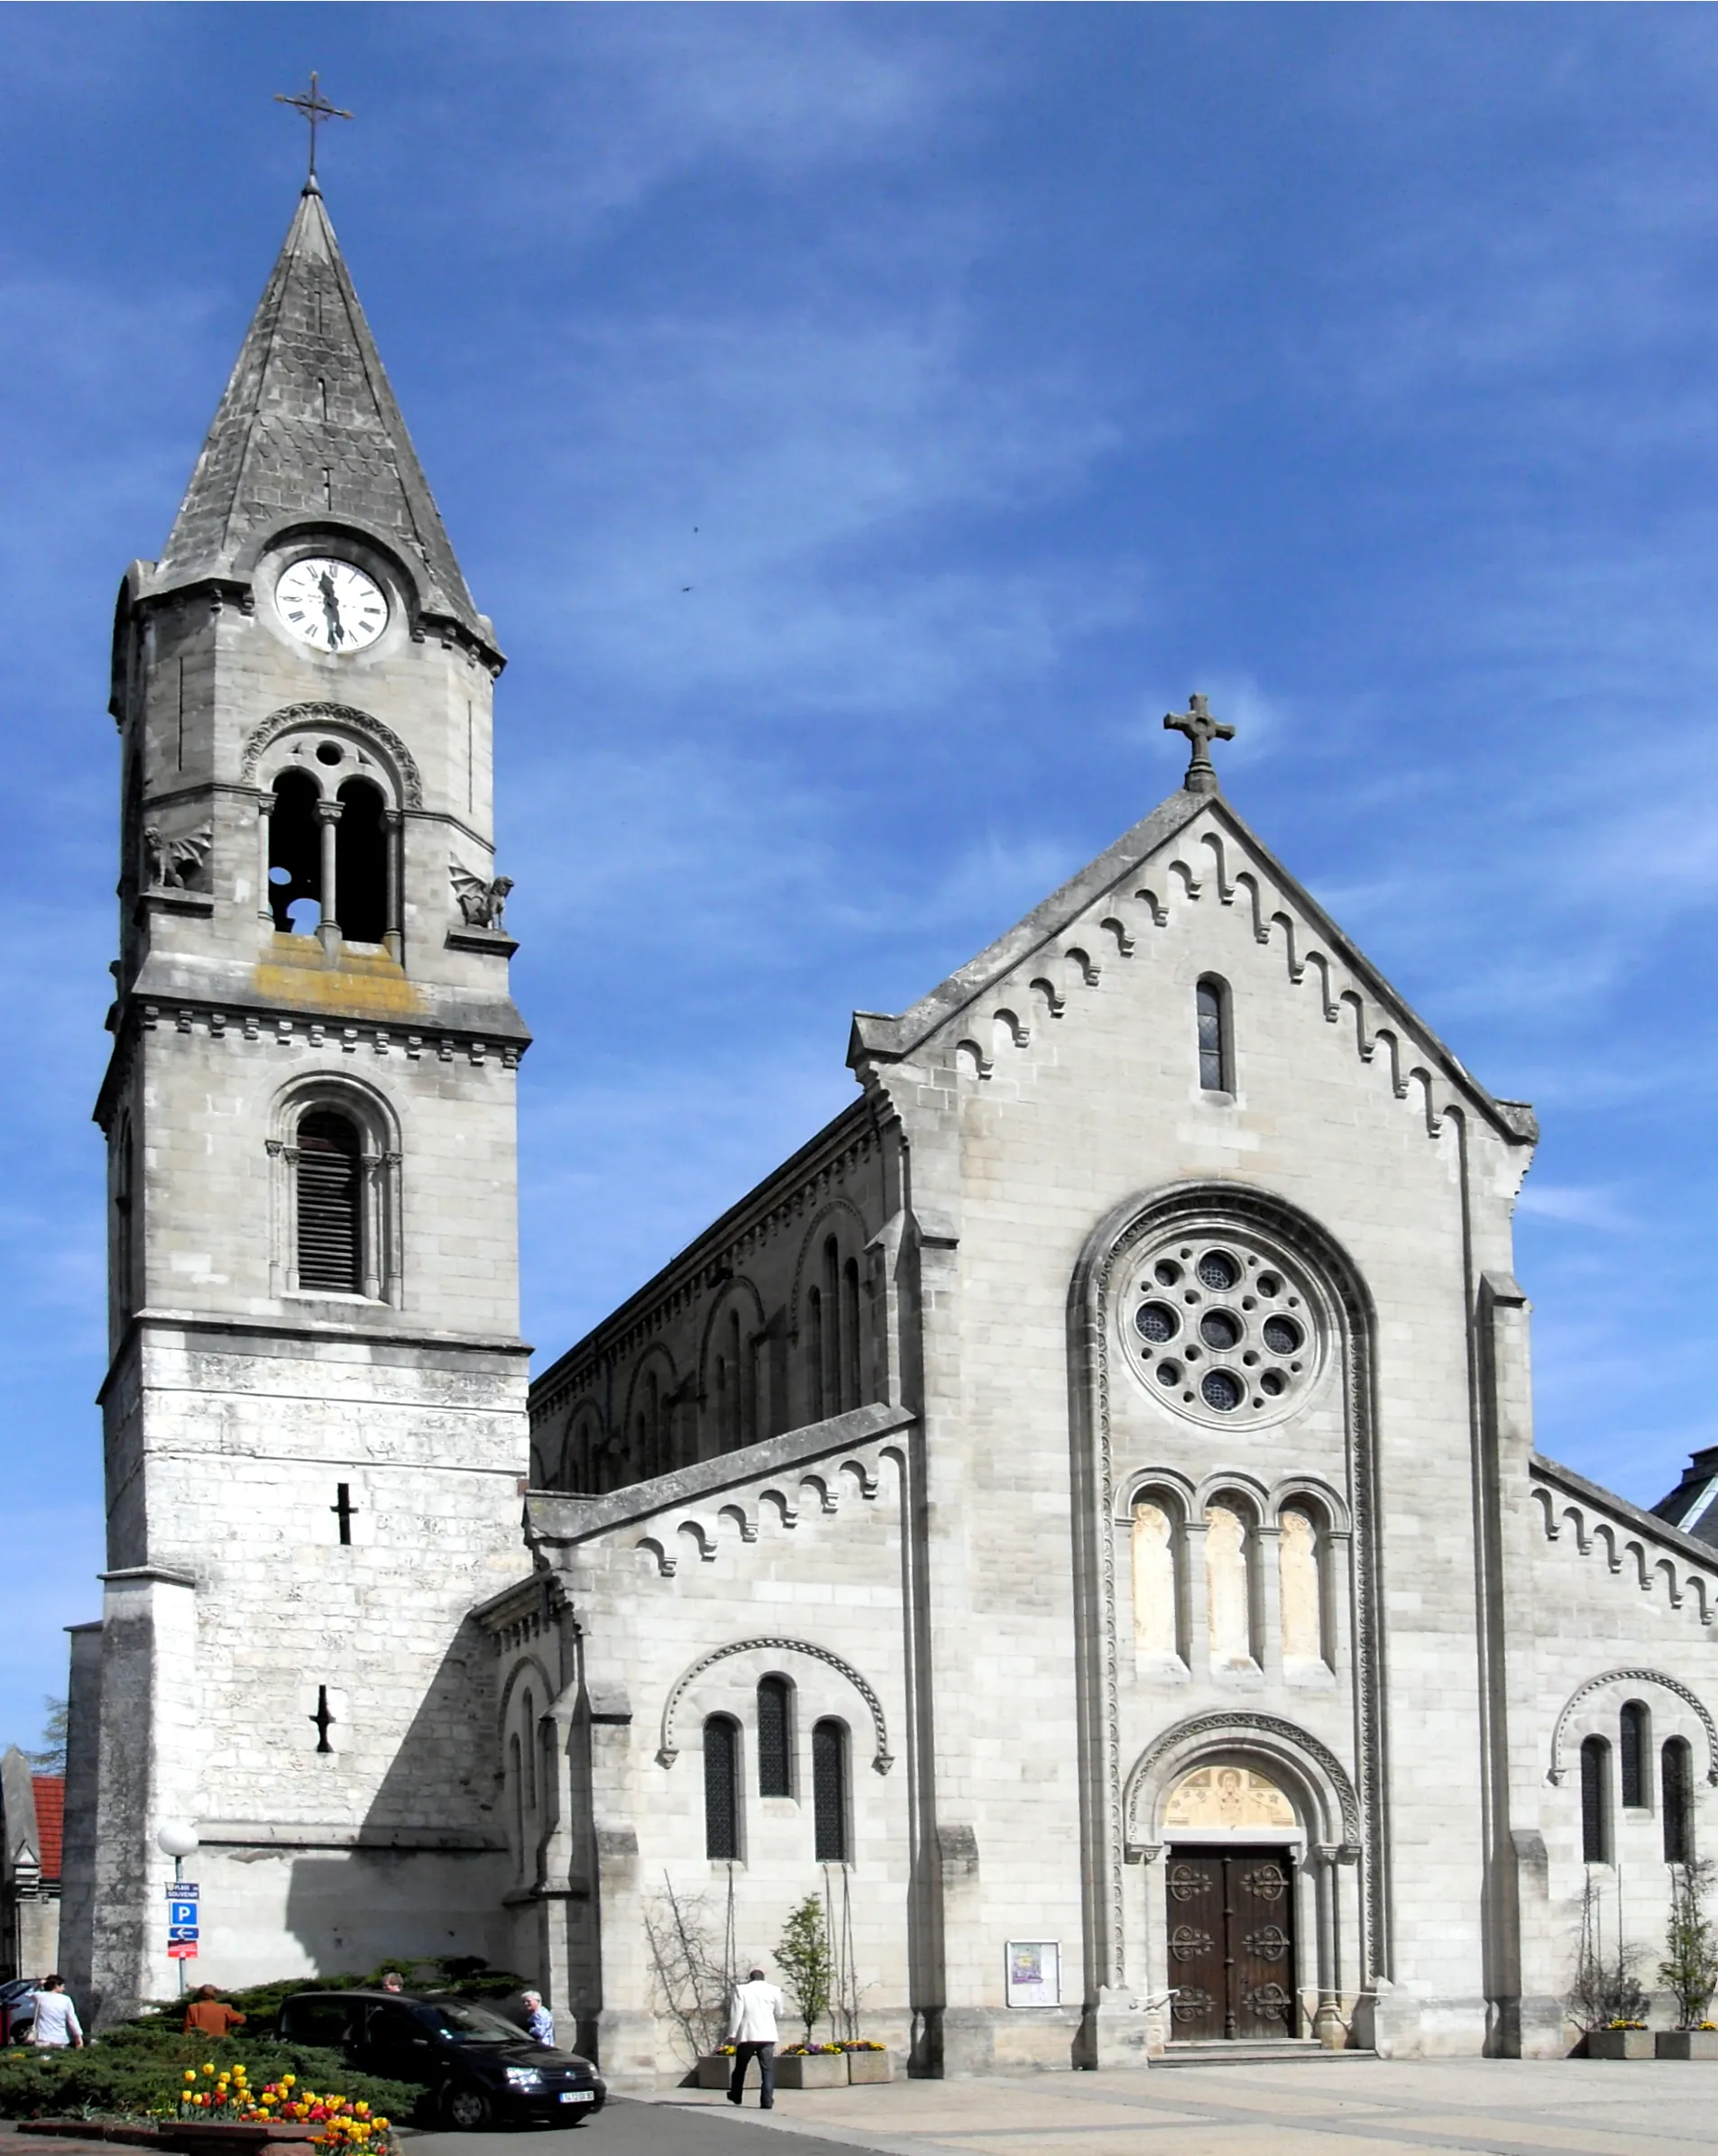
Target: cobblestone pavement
[1360,2107]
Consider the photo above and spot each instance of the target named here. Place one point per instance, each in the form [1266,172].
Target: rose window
[1221,1332]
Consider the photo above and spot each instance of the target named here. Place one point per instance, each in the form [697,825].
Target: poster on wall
[1034,1972]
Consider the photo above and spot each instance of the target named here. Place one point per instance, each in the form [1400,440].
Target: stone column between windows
[393,824]
[264,828]
[1198,1605]
[1267,1648]
[328,930]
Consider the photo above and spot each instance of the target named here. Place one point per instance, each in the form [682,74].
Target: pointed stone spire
[308,428]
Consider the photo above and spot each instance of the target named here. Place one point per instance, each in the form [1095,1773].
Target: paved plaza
[1351,2107]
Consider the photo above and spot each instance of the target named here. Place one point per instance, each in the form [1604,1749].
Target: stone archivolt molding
[1267,1737]
[1209,1208]
[1631,1676]
[339,715]
[667,1752]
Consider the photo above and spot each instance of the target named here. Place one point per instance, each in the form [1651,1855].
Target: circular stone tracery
[1220,1332]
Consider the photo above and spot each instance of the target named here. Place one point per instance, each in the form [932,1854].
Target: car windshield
[470,2025]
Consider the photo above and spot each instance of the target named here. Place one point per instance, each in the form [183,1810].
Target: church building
[1078,1518]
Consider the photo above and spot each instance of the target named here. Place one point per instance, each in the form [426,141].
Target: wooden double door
[1231,1943]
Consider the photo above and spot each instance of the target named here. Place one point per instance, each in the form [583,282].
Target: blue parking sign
[181,1913]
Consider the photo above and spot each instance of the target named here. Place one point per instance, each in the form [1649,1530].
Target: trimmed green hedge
[137,2068]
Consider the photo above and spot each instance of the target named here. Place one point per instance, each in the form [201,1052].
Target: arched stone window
[1230,1556]
[124,1234]
[1216,1042]
[774,1737]
[1303,1588]
[1676,1784]
[360,863]
[1595,1801]
[1634,1749]
[721,1789]
[816,1326]
[851,1380]
[829,1791]
[336,1225]
[295,855]
[1159,1567]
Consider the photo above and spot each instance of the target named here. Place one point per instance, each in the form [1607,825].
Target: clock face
[331,606]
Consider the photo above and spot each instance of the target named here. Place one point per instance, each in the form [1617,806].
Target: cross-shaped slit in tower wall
[344,1510]
[324,1718]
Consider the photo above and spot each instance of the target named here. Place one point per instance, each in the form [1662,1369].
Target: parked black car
[17,2009]
[483,2070]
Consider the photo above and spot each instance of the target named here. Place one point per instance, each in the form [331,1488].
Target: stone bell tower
[315,1405]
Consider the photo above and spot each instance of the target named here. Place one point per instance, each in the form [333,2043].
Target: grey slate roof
[309,427]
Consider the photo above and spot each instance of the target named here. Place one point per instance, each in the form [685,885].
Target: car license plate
[577,2096]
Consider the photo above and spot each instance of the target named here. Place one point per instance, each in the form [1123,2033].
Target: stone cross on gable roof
[1201,729]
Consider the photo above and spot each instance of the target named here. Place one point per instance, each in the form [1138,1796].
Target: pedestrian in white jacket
[752,2032]
[56,2022]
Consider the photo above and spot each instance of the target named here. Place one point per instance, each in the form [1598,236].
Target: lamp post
[179,1842]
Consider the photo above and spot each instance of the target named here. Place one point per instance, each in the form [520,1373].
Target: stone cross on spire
[1201,729]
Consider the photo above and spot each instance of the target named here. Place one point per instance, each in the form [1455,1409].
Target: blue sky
[994,376]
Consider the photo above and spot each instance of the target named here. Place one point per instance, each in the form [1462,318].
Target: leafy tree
[803,1952]
[1689,1969]
[51,1759]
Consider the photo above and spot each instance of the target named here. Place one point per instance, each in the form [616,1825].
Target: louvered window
[774,1755]
[721,1789]
[828,1792]
[330,1216]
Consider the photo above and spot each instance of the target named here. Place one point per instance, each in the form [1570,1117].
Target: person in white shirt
[56,2022]
[751,2031]
[539,2021]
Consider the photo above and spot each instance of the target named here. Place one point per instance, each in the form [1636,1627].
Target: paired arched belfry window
[330,1204]
[721,1789]
[331,857]
[1595,1801]
[834,1346]
[1216,1043]
[828,1792]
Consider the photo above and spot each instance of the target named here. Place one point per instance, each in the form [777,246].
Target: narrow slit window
[330,1215]
[1595,1801]
[851,1333]
[828,1792]
[1677,1780]
[775,1744]
[1215,1061]
[1633,1751]
[814,1355]
[342,1510]
[721,1789]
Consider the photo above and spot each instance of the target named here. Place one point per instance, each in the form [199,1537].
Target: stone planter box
[1619,2043]
[714,2071]
[868,2065]
[1686,2043]
[813,2070]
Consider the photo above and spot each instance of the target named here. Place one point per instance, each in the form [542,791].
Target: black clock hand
[331,610]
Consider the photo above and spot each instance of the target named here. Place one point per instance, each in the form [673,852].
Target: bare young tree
[693,1970]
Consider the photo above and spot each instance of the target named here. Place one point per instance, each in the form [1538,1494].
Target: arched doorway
[1232,1843]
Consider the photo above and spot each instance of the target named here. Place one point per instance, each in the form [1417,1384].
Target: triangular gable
[1312,938]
